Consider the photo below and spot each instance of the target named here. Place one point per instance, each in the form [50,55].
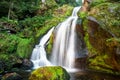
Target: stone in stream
[50,73]
[12,76]
[26,64]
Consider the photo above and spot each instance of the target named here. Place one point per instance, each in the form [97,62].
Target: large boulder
[26,64]
[102,37]
[49,73]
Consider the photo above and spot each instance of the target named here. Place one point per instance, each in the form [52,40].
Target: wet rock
[81,63]
[12,76]
[17,63]
[102,37]
[26,64]
[50,73]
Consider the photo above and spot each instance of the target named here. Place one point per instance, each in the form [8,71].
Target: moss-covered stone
[108,16]
[102,37]
[49,73]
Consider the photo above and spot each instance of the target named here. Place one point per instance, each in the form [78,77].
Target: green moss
[108,16]
[50,44]
[49,73]
[97,60]
[91,49]
[82,15]
[99,63]
[113,40]
[8,43]
[4,57]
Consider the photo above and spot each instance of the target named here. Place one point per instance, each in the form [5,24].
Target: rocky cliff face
[101,26]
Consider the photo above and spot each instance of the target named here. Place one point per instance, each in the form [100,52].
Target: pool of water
[82,75]
[92,75]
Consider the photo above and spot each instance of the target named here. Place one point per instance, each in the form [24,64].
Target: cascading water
[39,54]
[64,44]
[43,1]
[64,47]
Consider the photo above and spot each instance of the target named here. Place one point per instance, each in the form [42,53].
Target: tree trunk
[10,8]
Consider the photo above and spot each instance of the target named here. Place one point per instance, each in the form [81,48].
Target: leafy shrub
[24,48]
[8,44]
[97,2]
[70,2]
[9,24]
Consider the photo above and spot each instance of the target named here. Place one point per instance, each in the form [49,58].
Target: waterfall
[63,53]
[43,1]
[64,46]
[39,54]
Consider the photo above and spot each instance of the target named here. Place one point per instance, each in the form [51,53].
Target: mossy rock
[49,73]
[108,17]
[102,37]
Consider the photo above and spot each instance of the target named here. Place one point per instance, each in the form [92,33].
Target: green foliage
[24,48]
[19,8]
[4,57]
[8,43]
[82,15]
[50,3]
[34,22]
[113,0]
[10,24]
[9,60]
[11,44]
[97,2]
[21,43]
[4,7]
[56,19]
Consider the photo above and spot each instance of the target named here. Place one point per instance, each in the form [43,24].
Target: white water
[43,1]
[64,44]
[39,54]
[80,1]
[63,52]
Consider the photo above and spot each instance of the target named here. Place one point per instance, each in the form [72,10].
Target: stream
[92,75]
[82,75]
